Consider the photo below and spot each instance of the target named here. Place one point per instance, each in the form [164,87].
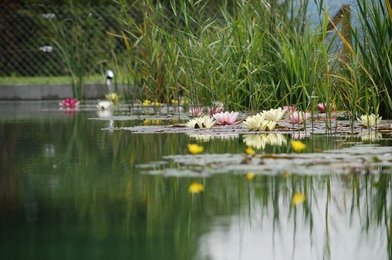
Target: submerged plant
[226,118]
[369,120]
[201,122]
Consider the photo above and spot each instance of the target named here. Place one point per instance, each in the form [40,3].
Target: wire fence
[36,40]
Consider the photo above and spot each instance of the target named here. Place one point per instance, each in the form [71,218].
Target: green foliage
[78,44]
[257,55]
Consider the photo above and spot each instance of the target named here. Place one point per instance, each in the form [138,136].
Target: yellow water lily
[113,97]
[298,198]
[195,148]
[195,187]
[250,176]
[297,146]
[250,151]
[146,102]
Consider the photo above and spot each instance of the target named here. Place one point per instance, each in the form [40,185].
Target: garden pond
[92,185]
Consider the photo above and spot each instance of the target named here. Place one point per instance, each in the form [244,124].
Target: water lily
[298,198]
[290,108]
[195,187]
[226,118]
[369,120]
[267,125]
[217,107]
[105,105]
[201,122]
[298,117]
[196,111]
[250,151]
[113,97]
[297,146]
[259,123]
[70,103]
[254,122]
[274,114]
[322,107]
[195,148]
[250,176]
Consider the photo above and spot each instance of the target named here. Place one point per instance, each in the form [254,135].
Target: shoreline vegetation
[250,55]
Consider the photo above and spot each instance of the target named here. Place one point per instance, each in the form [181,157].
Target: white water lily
[369,120]
[226,118]
[254,122]
[267,125]
[201,122]
[105,105]
[274,114]
[259,123]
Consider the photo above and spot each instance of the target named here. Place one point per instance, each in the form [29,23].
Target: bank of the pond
[51,92]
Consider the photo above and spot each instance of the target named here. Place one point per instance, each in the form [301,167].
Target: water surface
[71,190]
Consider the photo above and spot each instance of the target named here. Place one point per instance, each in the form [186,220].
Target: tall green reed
[76,34]
[259,54]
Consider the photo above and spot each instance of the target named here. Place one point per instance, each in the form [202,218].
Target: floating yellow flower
[250,151]
[146,102]
[297,146]
[195,148]
[250,176]
[298,198]
[195,188]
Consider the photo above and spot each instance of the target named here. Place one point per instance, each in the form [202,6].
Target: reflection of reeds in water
[209,137]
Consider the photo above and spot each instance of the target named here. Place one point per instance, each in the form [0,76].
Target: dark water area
[71,190]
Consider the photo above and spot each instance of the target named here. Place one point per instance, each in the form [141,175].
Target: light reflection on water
[69,189]
[334,228]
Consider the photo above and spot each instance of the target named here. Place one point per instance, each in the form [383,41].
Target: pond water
[72,189]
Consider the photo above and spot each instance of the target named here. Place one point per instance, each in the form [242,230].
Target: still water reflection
[69,190]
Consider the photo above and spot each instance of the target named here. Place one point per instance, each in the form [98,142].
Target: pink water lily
[69,103]
[290,108]
[217,107]
[225,118]
[196,111]
[298,117]
[322,107]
